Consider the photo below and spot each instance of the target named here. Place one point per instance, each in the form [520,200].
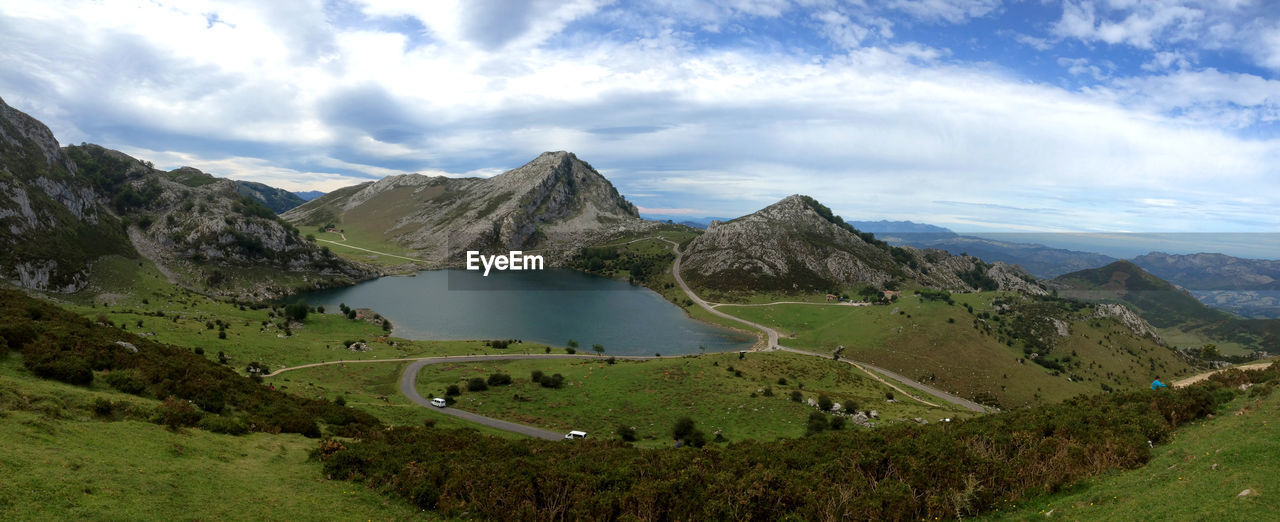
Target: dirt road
[1197,378]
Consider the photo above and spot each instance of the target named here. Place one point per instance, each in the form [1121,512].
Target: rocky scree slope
[553,204]
[797,244]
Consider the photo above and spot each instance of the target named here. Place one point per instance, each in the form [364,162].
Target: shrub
[825,403]
[499,379]
[817,422]
[66,368]
[796,396]
[176,413]
[782,381]
[102,407]
[477,384]
[570,350]
[223,425]
[683,427]
[535,376]
[341,400]
[452,391]
[697,439]
[837,423]
[555,381]
[127,381]
[626,433]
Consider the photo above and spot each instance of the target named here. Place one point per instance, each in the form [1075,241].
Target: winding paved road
[772,344]
[409,385]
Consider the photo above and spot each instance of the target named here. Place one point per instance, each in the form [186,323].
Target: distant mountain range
[309,195]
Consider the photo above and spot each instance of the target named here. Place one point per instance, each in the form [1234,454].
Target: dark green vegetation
[904,471]
[642,259]
[1198,475]
[58,345]
[1167,307]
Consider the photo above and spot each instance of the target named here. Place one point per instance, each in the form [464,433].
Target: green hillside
[1199,475]
[998,348]
[1169,308]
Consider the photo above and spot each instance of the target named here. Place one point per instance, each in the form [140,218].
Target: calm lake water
[547,306]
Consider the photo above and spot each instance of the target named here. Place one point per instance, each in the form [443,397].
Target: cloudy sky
[1045,115]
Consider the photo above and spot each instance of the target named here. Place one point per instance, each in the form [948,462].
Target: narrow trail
[772,344]
[1200,377]
[341,244]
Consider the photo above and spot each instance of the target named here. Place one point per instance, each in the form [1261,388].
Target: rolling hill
[1167,306]
[797,245]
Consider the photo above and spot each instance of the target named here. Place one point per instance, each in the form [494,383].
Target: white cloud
[882,129]
[952,11]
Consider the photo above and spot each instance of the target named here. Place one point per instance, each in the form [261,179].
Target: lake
[544,306]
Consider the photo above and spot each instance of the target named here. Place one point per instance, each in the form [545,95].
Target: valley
[200,320]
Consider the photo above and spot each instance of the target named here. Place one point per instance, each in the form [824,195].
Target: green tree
[817,422]
[599,349]
[825,403]
[683,427]
[297,311]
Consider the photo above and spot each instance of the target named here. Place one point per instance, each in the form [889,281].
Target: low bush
[555,381]
[477,384]
[499,379]
[176,413]
[895,472]
[223,425]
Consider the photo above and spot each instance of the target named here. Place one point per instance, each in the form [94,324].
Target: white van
[438,402]
[576,435]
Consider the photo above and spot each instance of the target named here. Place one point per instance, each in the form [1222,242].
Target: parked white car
[576,435]
[438,402]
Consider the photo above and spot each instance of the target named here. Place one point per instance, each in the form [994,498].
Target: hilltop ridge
[797,244]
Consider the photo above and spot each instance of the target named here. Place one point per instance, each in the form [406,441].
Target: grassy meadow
[1197,476]
[65,459]
[720,392]
[940,344]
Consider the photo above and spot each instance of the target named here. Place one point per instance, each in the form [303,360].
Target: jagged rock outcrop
[797,244]
[554,203]
[52,223]
[1129,319]
[64,209]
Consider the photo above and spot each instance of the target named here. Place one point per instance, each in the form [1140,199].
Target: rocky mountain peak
[17,129]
